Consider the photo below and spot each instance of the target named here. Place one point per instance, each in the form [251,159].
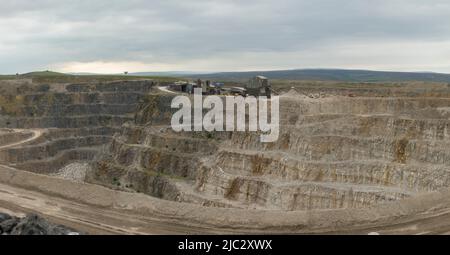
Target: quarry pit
[348,160]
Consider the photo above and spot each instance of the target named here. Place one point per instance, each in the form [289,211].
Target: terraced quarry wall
[74,120]
[340,159]
[333,152]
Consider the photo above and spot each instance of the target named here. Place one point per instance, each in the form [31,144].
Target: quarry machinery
[259,86]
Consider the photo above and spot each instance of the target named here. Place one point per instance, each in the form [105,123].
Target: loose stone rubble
[31,225]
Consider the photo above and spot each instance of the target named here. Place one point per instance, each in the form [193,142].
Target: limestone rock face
[337,148]
[333,152]
[71,122]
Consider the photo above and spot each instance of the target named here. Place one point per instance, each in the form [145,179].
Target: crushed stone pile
[75,172]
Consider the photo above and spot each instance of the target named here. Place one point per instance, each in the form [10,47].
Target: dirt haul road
[73,205]
[36,133]
[82,217]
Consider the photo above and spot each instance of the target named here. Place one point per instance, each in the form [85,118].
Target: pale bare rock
[75,172]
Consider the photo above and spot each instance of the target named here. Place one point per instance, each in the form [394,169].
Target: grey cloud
[38,34]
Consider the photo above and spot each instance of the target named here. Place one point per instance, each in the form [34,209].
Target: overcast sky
[111,36]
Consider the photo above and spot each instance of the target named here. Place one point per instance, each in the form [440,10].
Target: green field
[54,77]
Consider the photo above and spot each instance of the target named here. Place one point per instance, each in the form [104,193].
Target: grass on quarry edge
[49,77]
[54,77]
[97,78]
[279,84]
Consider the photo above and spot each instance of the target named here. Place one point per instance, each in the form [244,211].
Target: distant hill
[332,75]
[35,75]
[55,77]
[340,75]
[43,73]
[165,74]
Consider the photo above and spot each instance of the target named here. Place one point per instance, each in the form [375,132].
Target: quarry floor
[84,218]
[103,220]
